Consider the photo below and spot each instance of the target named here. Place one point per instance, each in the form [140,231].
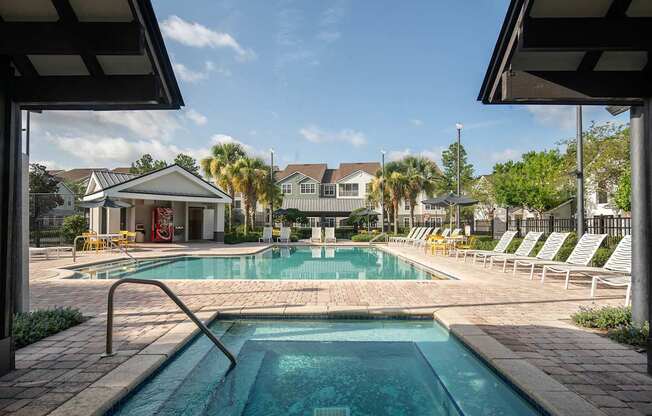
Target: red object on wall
[162,225]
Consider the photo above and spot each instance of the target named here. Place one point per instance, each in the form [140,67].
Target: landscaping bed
[30,327]
[615,323]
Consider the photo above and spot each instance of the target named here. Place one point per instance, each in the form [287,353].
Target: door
[195,223]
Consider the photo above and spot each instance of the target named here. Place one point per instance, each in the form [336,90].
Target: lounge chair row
[615,272]
[316,237]
[268,237]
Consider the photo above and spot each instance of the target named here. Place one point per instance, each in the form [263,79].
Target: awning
[324,205]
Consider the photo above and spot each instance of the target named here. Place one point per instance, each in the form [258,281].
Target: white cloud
[416,122]
[49,164]
[315,135]
[394,155]
[199,36]
[562,117]
[196,117]
[505,155]
[160,125]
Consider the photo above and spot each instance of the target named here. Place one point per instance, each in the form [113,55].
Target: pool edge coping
[544,391]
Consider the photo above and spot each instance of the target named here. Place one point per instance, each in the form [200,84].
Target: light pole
[580,175]
[271,189]
[458,126]
[382,193]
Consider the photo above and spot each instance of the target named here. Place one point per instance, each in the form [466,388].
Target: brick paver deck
[529,318]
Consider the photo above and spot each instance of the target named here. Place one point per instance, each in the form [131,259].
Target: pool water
[309,263]
[326,368]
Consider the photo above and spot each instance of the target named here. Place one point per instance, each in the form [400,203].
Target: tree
[358,218]
[373,197]
[269,192]
[78,188]
[421,175]
[395,184]
[146,164]
[218,166]
[73,226]
[292,216]
[44,195]
[187,162]
[623,196]
[448,182]
[248,175]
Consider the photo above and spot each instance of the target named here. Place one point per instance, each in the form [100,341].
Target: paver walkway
[530,319]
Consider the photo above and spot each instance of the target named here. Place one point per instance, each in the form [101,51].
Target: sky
[318,81]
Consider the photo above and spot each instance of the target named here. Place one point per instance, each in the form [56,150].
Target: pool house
[167,205]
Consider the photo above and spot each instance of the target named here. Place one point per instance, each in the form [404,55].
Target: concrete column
[218,223]
[641,159]
[22,295]
[185,226]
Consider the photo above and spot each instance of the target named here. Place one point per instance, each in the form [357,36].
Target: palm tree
[421,175]
[373,197]
[269,192]
[394,186]
[217,166]
[249,175]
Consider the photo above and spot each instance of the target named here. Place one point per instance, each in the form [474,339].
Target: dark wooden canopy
[572,51]
[87,54]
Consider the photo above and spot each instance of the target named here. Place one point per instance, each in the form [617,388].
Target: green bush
[602,255]
[608,317]
[344,233]
[513,246]
[483,243]
[630,334]
[30,327]
[362,238]
[73,226]
[237,238]
[567,248]
[303,233]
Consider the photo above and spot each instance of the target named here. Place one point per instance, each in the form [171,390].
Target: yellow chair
[130,239]
[92,242]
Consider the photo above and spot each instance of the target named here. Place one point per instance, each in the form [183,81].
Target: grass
[616,321]
[30,327]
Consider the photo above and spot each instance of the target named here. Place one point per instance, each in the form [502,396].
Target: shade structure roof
[450,200]
[324,205]
[90,55]
[572,52]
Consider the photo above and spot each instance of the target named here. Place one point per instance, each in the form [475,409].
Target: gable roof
[116,181]
[76,175]
[347,169]
[312,170]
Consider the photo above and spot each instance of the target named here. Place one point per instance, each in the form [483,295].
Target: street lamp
[382,193]
[271,189]
[459,127]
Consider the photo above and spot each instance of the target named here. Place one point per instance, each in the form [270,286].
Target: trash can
[140,233]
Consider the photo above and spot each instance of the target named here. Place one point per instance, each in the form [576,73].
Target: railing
[109,318]
[378,237]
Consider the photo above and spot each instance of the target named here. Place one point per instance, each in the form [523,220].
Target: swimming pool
[303,262]
[319,368]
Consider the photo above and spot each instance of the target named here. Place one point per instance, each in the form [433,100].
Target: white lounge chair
[284,237]
[550,248]
[523,250]
[580,256]
[617,281]
[413,230]
[316,235]
[423,236]
[267,236]
[422,242]
[619,263]
[329,235]
[417,235]
[500,248]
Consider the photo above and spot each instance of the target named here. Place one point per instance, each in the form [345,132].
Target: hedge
[30,327]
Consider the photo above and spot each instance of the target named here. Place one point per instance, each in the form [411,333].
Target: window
[286,188]
[329,222]
[313,221]
[307,188]
[407,205]
[348,189]
[237,204]
[406,222]
[328,189]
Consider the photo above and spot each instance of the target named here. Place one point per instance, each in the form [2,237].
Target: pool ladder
[109,317]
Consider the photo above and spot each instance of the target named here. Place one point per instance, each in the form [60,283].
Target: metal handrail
[109,318]
[377,237]
[124,250]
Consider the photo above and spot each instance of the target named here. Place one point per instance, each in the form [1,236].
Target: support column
[579,197]
[218,223]
[641,159]
[11,268]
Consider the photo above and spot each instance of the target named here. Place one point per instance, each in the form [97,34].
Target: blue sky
[318,81]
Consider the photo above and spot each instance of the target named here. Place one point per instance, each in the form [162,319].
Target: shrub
[73,226]
[362,238]
[567,248]
[630,334]
[30,327]
[237,238]
[608,317]
[344,233]
[483,243]
[602,255]
[513,246]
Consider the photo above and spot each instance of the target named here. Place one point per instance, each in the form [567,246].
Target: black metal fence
[614,227]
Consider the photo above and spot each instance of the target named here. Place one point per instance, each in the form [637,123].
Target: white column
[185,226]
[218,223]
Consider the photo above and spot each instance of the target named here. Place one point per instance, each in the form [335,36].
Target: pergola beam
[22,38]
[86,90]
[614,87]
[586,34]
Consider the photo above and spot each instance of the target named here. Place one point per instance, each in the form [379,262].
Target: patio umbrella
[105,203]
[450,201]
[366,212]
